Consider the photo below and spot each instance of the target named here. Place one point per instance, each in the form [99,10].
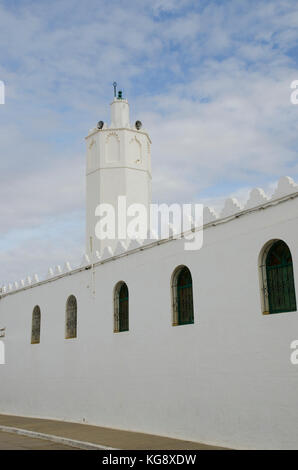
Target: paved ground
[11,441]
[99,435]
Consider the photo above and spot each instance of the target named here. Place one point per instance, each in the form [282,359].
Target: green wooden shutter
[36,317]
[280,279]
[123,308]
[185,297]
[71,317]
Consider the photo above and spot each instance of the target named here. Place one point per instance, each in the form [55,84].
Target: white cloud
[210,80]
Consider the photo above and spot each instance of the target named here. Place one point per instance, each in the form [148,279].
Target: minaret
[118,164]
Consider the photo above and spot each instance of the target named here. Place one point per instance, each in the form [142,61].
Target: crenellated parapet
[258,199]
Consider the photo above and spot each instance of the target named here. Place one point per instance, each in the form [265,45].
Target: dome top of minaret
[119,110]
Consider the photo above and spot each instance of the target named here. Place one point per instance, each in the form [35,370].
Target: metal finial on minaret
[115,89]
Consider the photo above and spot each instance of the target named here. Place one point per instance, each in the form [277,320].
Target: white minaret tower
[118,164]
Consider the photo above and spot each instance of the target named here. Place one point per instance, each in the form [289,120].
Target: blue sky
[210,80]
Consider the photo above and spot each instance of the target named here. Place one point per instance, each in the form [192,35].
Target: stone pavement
[107,437]
[10,441]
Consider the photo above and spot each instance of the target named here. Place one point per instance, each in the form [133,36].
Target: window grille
[182,296]
[280,279]
[35,333]
[71,317]
[121,308]
[185,298]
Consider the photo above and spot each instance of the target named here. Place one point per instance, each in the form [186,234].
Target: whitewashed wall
[227,379]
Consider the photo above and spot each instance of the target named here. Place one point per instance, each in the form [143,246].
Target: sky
[210,80]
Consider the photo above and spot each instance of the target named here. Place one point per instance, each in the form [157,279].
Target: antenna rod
[115,89]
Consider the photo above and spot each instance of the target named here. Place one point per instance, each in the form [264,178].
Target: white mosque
[147,336]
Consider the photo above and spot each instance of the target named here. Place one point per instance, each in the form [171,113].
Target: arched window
[71,317]
[182,296]
[277,278]
[121,308]
[35,331]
